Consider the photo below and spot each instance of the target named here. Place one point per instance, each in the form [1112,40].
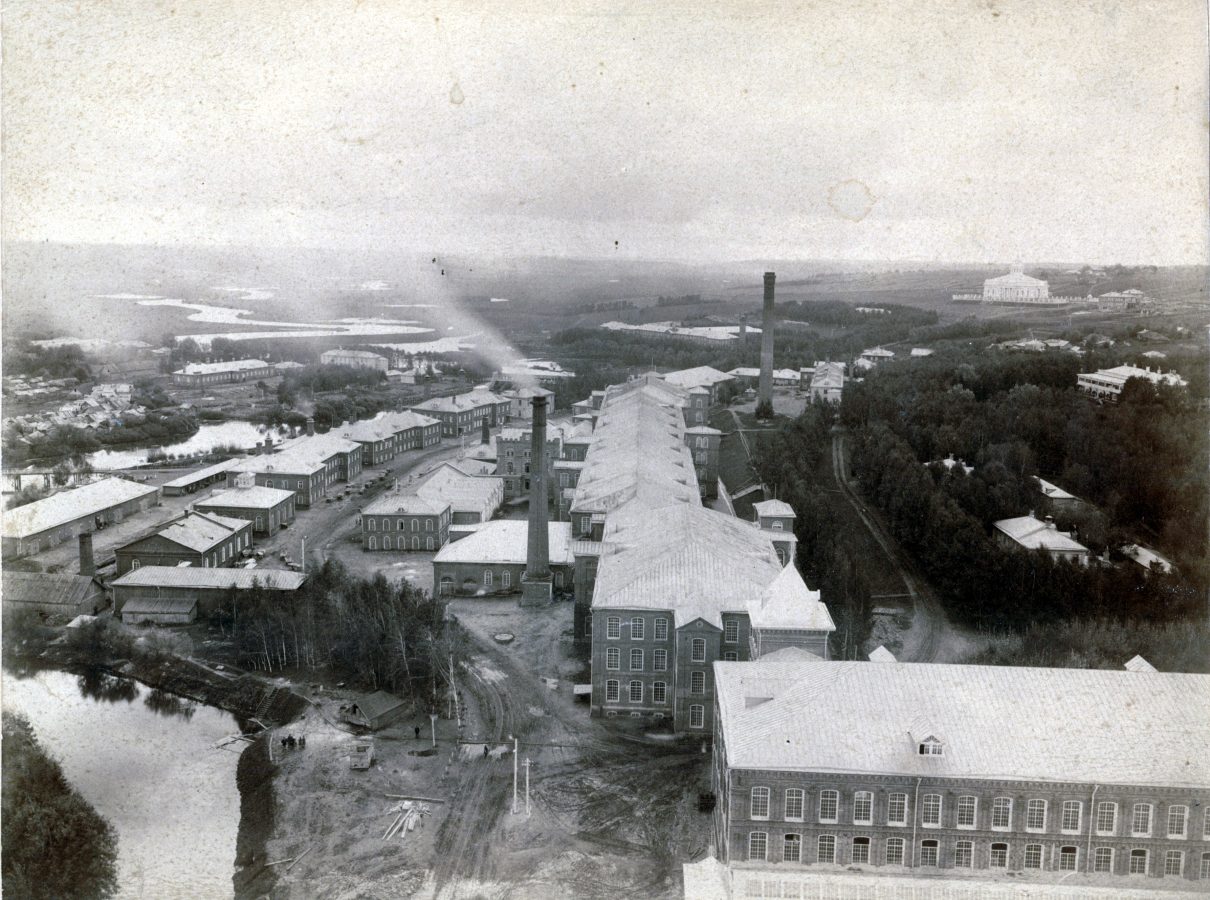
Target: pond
[147,763]
[243,435]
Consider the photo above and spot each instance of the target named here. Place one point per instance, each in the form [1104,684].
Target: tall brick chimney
[87,565]
[310,426]
[537,582]
[765,388]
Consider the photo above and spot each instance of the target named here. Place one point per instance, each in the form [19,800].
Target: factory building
[198,539]
[196,375]
[37,526]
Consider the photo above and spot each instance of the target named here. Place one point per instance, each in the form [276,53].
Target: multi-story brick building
[412,430]
[466,413]
[513,460]
[203,374]
[405,522]
[379,443]
[1045,775]
[197,539]
[308,478]
[356,359]
[266,508]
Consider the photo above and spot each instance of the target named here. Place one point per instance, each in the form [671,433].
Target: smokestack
[87,566]
[486,437]
[765,388]
[536,583]
[310,427]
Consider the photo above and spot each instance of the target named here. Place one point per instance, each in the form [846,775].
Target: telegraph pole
[515,747]
[527,785]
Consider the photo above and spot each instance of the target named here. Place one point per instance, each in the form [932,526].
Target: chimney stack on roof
[765,385]
[87,565]
[310,426]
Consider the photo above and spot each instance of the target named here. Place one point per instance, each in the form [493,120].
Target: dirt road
[930,632]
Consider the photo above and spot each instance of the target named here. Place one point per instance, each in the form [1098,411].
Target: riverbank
[257,814]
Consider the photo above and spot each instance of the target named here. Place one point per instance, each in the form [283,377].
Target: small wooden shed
[375,711]
[160,611]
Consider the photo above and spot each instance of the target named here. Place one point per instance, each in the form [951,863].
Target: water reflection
[166,704]
[97,685]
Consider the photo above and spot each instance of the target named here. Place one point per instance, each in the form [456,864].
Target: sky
[930,130]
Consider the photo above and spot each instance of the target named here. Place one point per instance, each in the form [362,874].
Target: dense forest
[54,843]
[368,632]
[28,359]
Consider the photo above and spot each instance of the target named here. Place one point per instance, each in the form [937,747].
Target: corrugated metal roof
[999,722]
[255,497]
[506,541]
[58,588]
[210,579]
[68,506]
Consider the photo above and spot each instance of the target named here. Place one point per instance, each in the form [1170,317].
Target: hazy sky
[983,130]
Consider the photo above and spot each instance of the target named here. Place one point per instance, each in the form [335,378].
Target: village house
[932,771]
[374,711]
[827,382]
[203,589]
[266,508]
[197,539]
[196,375]
[1031,533]
[29,529]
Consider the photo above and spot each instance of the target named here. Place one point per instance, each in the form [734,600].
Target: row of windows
[638,629]
[1067,858]
[1070,812]
[401,543]
[399,524]
[659,694]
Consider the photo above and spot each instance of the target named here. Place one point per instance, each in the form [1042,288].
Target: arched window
[860,850]
[826,849]
[863,808]
[1068,857]
[759,803]
[373,543]
[998,858]
[386,542]
[134,564]
[428,545]
[928,853]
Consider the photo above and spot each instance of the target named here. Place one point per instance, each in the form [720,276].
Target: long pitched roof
[1035,534]
[67,506]
[463,492]
[698,376]
[255,497]
[200,531]
[235,365]
[506,541]
[46,588]
[211,579]
[1057,725]
[699,563]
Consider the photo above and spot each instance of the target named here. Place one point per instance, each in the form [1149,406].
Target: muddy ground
[612,810]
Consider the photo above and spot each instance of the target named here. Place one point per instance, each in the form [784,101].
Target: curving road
[923,641]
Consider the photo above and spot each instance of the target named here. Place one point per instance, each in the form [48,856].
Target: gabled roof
[186,480]
[405,505]
[47,588]
[200,532]
[699,376]
[67,506]
[403,421]
[152,606]
[1034,534]
[998,722]
[773,508]
[787,603]
[465,493]
[1053,491]
[378,703]
[236,365]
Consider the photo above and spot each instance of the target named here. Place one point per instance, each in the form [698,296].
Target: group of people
[289,742]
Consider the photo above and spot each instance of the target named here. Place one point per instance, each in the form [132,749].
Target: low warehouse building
[195,481]
[54,594]
[157,611]
[46,523]
[492,558]
[199,540]
[210,588]
[266,508]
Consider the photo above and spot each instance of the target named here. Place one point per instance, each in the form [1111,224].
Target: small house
[374,711]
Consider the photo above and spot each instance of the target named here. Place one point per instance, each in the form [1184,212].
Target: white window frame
[899,844]
[860,841]
[1183,812]
[791,839]
[660,631]
[731,631]
[695,645]
[1180,862]
[799,796]
[506,577]
[758,802]
[1103,808]
[973,805]
[613,628]
[697,682]
[1146,858]
[1029,849]
[819,845]
[1066,865]
[992,851]
[1064,822]
[926,802]
[1031,807]
[697,716]
[758,839]
[613,690]
[659,692]
[659,660]
[487,577]
[861,798]
[636,653]
[1002,806]
[1098,854]
[630,691]
[967,848]
[935,846]
[638,628]
[833,797]
[891,802]
[1203,872]
[1138,808]
[613,659]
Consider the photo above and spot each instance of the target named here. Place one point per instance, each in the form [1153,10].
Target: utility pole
[527,785]
[454,692]
[303,555]
[515,747]
[433,722]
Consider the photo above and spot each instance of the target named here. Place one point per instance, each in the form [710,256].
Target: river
[147,763]
[243,435]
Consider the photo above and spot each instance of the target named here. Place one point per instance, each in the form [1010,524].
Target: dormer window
[930,747]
